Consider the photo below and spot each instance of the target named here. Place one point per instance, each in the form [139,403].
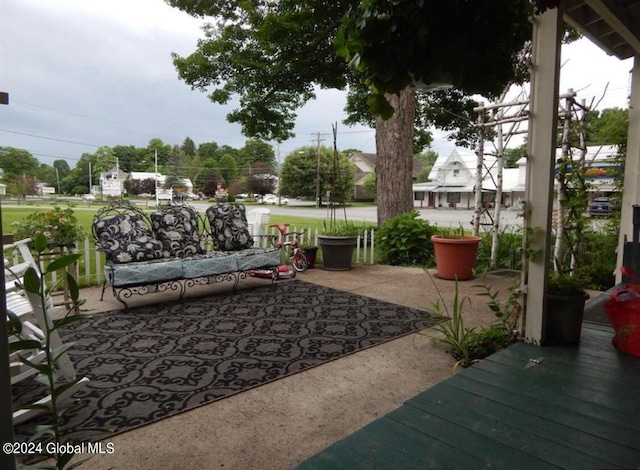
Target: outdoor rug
[149,363]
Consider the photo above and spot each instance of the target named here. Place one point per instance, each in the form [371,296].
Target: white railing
[364,252]
[90,268]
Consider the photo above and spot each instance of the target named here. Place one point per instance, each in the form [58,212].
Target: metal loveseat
[170,249]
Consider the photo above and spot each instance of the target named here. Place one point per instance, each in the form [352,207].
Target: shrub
[597,259]
[57,225]
[405,240]
[509,254]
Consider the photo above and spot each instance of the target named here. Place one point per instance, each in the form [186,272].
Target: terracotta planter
[563,323]
[337,251]
[455,257]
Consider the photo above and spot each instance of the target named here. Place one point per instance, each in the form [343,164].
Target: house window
[456,172]
[453,198]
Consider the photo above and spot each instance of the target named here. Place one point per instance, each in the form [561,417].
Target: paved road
[442,217]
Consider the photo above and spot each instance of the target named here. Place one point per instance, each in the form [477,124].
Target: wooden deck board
[552,441]
[578,408]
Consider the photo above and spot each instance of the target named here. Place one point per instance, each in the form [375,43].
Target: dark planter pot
[311,252]
[337,251]
[455,257]
[563,323]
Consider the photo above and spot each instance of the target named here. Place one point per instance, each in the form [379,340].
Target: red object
[623,310]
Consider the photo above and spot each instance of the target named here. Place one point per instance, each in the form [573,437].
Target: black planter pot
[564,319]
[311,252]
[337,251]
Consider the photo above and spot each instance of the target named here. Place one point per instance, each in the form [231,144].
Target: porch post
[540,170]
[631,191]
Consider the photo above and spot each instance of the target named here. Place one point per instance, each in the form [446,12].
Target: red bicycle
[288,243]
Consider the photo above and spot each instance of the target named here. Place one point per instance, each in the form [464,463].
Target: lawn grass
[85,214]
[85,218]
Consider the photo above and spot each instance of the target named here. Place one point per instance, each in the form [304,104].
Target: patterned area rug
[149,363]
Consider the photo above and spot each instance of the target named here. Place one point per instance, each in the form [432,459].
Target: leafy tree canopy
[610,127]
[300,170]
[17,163]
[402,44]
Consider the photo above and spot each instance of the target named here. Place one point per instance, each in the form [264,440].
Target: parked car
[600,206]
[273,199]
[88,197]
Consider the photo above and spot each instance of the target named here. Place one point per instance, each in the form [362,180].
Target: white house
[111,182]
[453,179]
[148,175]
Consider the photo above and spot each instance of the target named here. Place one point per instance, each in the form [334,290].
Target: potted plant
[338,239]
[565,309]
[59,226]
[310,252]
[456,254]
[337,243]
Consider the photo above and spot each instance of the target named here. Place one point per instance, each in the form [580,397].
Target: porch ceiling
[614,25]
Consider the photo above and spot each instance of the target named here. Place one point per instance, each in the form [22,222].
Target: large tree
[273,55]
[298,177]
[17,163]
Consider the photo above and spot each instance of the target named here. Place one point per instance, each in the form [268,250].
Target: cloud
[99,72]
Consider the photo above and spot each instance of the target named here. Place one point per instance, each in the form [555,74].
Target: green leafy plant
[340,229]
[405,240]
[58,226]
[450,232]
[469,345]
[399,44]
[562,284]
[455,334]
[47,373]
[505,331]
[509,255]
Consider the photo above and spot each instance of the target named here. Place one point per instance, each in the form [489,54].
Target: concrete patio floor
[280,424]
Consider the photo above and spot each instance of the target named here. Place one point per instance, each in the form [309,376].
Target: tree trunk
[394,147]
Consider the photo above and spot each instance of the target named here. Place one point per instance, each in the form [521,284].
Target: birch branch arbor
[492,120]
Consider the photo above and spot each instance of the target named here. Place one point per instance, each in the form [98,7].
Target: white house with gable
[453,179]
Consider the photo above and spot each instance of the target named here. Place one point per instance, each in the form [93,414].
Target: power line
[50,138]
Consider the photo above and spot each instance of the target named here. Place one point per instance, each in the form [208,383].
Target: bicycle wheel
[299,261]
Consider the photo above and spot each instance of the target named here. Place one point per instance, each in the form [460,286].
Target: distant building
[111,183]
[453,179]
[42,189]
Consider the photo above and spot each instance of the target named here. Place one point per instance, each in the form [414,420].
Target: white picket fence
[90,269]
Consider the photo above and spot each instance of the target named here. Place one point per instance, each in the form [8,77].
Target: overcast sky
[87,73]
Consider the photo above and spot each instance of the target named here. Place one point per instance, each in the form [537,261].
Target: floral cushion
[177,229]
[229,227]
[125,238]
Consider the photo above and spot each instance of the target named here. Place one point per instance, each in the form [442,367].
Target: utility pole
[318,140]
[156,175]
[90,179]
[279,175]
[58,180]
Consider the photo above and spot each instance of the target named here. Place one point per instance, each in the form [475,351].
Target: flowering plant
[59,226]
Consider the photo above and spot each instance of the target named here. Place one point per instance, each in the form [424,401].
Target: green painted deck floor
[579,408]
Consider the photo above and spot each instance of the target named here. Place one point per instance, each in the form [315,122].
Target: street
[441,217]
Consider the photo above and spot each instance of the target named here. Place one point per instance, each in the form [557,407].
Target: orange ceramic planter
[455,257]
